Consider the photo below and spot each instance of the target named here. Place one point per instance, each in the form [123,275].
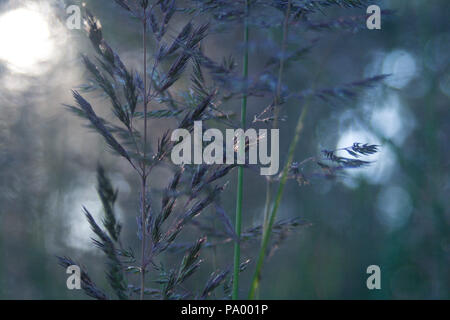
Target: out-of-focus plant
[285,15]
[136,97]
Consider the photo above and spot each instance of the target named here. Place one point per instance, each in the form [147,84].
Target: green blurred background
[394,214]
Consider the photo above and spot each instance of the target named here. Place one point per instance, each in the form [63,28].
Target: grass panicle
[177,82]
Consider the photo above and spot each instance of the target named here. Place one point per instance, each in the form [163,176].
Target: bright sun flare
[25,39]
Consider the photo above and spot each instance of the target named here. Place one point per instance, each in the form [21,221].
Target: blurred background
[394,214]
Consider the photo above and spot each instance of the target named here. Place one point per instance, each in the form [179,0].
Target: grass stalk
[144,173]
[241,149]
[277,101]
[268,229]
[267,232]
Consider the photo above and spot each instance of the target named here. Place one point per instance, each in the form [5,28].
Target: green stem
[277,102]
[268,231]
[241,149]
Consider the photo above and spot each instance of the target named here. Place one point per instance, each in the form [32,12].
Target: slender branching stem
[241,150]
[144,173]
[268,231]
[277,102]
[271,219]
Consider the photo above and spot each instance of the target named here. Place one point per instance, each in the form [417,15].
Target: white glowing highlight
[26,39]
